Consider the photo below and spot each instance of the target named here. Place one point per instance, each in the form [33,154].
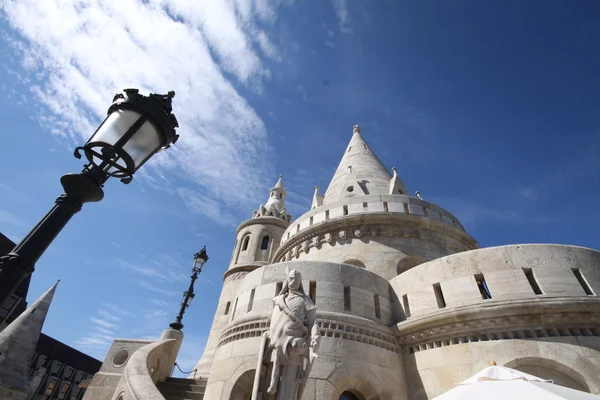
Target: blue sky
[490,109]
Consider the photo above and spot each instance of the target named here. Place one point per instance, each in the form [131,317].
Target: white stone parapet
[393,204]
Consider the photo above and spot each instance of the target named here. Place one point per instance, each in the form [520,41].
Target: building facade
[407,302]
[35,366]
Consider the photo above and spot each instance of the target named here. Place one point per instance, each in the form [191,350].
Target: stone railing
[148,365]
[388,204]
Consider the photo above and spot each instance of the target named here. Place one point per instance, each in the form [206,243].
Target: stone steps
[182,389]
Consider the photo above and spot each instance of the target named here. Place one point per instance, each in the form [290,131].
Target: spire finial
[492,363]
[418,193]
[356,129]
[394,172]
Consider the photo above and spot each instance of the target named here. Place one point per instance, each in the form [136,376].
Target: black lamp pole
[200,259]
[136,128]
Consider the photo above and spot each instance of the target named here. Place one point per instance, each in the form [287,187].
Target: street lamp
[136,128]
[200,259]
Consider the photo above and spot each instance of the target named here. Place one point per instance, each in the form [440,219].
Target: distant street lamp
[200,259]
[136,128]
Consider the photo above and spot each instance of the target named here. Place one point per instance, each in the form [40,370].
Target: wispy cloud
[109,316]
[155,288]
[343,15]
[77,56]
[103,323]
[160,303]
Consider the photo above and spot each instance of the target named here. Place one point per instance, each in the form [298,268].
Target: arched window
[407,263]
[264,245]
[348,396]
[245,243]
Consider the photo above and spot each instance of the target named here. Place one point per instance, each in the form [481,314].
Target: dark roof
[66,354]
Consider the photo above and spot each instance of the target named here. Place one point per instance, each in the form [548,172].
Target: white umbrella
[501,383]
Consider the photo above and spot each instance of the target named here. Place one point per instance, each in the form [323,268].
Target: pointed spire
[18,342]
[317,199]
[359,173]
[277,195]
[396,185]
[275,206]
[279,185]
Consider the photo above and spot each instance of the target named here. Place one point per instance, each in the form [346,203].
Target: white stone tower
[257,239]
[407,302]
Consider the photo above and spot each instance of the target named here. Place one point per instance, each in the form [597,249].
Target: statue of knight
[290,344]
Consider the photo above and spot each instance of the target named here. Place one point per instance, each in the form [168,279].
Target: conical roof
[277,195]
[18,342]
[360,172]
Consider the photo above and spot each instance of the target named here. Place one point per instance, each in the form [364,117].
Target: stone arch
[349,395]
[354,379]
[239,386]
[242,389]
[407,263]
[550,369]
[356,263]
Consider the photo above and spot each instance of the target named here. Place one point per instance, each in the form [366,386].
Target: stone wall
[393,204]
[353,313]
[378,231]
[529,306]
[571,361]
[504,270]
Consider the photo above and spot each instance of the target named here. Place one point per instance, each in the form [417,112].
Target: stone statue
[291,343]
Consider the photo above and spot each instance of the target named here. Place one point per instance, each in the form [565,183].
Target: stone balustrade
[359,205]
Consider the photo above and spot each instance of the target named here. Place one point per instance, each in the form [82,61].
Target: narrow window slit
[532,281]
[278,288]
[439,295]
[377,309]
[483,288]
[234,308]
[385,206]
[345,210]
[347,299]
[251,301]
[227,307]
[583,282]
[406,305]
[313,291]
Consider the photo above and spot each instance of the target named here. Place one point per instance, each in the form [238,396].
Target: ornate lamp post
[200,259]
[136,128]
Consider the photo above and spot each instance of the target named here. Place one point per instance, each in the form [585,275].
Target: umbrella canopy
[501,383]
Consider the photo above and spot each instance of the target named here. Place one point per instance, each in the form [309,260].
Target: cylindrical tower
[257,240]
[367,219]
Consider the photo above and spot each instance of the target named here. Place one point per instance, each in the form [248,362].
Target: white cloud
[108,316]
[78,54]
[160,303]
[343,15]
[154,288]
[102,323]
